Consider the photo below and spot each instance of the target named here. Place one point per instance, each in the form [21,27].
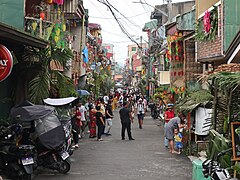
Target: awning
[59,101]
[150,25]
[233,52]
[14,36]
[94,26]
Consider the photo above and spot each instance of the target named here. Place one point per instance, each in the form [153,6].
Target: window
[134,48]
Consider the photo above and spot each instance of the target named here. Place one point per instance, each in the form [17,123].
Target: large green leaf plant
[50,82]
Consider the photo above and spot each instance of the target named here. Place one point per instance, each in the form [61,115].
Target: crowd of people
[97,115]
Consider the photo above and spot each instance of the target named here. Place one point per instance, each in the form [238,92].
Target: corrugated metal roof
[231,21]
[186,21]
[150,25]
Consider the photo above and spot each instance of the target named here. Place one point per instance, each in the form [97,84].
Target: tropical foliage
[218,143]
[49,82]
[103,82]
[225,87]
[194,99]
[226,80]
[201,35]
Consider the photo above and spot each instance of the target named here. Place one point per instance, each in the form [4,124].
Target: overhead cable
[119,23]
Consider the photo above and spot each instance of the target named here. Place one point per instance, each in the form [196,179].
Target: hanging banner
[6,62]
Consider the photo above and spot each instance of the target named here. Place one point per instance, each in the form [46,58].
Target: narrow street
[146,158]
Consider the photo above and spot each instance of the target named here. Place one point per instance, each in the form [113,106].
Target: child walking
[178,140]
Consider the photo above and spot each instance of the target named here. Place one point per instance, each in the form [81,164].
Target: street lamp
[165,14]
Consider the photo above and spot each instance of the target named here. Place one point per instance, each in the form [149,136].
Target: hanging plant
[206,27]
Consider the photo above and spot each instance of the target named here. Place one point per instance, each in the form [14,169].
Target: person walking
[131,106]
[100,123]
[169,130]
[83,112]
[109,116]
[76,125]
[103,111]
[140,112]
[92,118]
[126,120]
[114,103]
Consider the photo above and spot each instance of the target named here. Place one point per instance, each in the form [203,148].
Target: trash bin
[197,171]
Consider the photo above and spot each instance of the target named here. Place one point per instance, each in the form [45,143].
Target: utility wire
[118,18]
[122,14]
[101,12]
[103,1]
[119,23]
[132,9]
[113,33]
[148,6]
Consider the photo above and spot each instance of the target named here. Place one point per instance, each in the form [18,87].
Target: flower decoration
[207,21]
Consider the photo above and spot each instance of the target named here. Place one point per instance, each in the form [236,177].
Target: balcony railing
[71,7]
[38,27]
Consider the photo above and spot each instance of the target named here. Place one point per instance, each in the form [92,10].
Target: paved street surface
[146,158]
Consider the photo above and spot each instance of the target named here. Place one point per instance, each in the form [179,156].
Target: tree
[49,82]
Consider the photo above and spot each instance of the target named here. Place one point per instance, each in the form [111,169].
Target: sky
[136,14]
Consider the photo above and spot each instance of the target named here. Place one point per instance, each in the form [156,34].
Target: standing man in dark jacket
[126,120]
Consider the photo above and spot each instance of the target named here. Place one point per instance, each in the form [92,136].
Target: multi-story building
[108,52]
[166,13]
[35,23]
[134,62]
[218,44]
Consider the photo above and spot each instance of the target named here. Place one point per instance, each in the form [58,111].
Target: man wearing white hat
[140,112]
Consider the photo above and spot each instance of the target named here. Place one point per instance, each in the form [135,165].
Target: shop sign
[6,62]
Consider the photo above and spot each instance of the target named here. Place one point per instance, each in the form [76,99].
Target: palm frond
[226,80]
[63,84]
[62,56]
[39,88]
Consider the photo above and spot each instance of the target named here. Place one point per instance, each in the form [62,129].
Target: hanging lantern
[56,39]
[182,89]
[64,27]
[58,32]
[49,1]
[42,15]
[74,24]
[34,25]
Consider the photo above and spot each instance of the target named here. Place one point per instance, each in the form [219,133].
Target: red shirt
[170,115]
[78,120]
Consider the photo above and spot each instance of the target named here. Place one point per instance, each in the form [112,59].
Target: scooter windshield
[46,124]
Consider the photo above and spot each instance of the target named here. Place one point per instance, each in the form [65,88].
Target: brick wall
[210,49]
[191,67]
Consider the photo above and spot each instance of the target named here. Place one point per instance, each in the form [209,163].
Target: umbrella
[83,92]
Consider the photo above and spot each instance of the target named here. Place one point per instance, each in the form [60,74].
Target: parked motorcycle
[63,107]
[16,161]
[212,169]
[157,110]
[47,134]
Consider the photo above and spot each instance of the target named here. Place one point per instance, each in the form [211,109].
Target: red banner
[6,62]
